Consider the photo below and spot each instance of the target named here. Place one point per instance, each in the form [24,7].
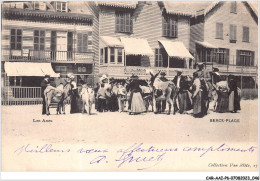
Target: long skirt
[137,103]
[222,106]
[234,102]
[197,102]
[75,102]
[184,102]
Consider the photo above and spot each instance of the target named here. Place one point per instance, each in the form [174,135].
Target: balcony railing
[47,56]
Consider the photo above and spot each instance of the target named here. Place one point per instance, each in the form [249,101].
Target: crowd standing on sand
[135,96]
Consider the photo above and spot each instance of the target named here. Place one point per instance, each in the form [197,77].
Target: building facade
[46,38]
[135,37]
[226,33]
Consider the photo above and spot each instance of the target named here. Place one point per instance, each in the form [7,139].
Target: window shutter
[176,28]
[238,58]
[252,62]
[131,24]
[227,57]
[85,42]
[117,23]
[221,30]
[235,32]
[79,42]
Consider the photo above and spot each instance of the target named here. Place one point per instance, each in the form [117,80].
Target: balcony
[47,56]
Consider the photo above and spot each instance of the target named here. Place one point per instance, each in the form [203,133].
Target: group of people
[183,93]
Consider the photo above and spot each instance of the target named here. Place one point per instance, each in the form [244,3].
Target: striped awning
[29,69]
[134,46]
[176,49]
[111,41]
[205,44]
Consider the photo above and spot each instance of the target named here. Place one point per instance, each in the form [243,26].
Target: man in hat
[178,81]
[206,84]
[44,84]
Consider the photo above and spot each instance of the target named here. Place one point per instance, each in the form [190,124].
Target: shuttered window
[16,39]
[222,56]
[245,58]
[170,26]
[233,33]
[120,55]
[82,42]
[39,40]
[219,30]
[158,58]
[112,55]
[245,34]
[124,22]
[233,7]
[106,55]
[101,56]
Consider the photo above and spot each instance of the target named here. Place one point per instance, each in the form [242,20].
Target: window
[245,58]
[112,55]
[61,6]
[124,22]
[158,58]
[16,39]
[120,55]
[82,42]
[39,40]
[101,56]
[219,31]
[233,34]
[233,7]
[222,56]
[245,34]
[62,70]
[170,26]
[36,5]
[106,55]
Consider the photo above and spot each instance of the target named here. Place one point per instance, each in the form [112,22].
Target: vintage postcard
[129,86]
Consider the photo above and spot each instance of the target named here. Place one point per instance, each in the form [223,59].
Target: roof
[206,44]
[78,7]
[134,46]
[77,11]
[111,41]
[176,49]
[122,4]
[29,69]
[184,8]
[210,5]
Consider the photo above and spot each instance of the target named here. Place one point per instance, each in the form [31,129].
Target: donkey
[57,95]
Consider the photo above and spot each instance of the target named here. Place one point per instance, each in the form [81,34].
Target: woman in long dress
[197,97]
[137,103]
[222,90]
[74,98]
[234,100]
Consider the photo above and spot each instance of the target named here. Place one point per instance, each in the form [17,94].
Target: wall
[147,24]
[222,14]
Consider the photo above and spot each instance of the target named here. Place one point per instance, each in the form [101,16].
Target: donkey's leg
[48,102]
[89,108]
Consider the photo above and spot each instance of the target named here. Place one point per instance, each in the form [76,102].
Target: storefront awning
[111,41]
[29,69]
[205,44]
[134,46]
[176,49]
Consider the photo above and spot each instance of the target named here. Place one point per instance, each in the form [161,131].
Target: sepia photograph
[129,86]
